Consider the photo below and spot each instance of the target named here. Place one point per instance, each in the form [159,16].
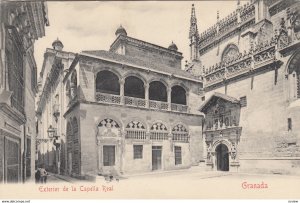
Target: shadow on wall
[48,160]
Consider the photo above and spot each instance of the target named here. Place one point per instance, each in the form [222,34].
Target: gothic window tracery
[135,130]
[108,128]
[158,131]
[230,52]
[180,133]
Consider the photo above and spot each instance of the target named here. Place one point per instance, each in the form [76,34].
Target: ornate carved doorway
[222,158]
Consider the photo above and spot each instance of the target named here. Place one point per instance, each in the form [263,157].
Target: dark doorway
[156,157]
[222,158]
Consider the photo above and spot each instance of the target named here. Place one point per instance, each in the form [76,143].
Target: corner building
[250,64]
[131,109]
[21,24]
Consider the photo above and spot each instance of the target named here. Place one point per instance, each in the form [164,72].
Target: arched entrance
[222,156]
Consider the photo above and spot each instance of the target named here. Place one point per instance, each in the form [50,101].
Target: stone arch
[135,74]
[180,84]
[222,141]
[134,124]
[134,87]
[178,95]
[180,127]
[136,130]
[230,51]
[109,123]
[180,133]
[107,82]
[108,127]
[159,80]
[161,95]
[118,120]
[159,131]
[115,71]
[293,75]
[160,123]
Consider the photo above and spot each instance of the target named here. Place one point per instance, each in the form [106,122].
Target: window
[14,63]
[28,158]
[137,151]
[109,155]
[289,124]
[243,101]
[178,158]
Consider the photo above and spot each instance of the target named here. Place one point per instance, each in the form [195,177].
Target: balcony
[180,137]
[132,101]
[140,103]
[136,134]
[108,98]
[159,136]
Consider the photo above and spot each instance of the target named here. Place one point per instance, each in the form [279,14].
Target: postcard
[150,100]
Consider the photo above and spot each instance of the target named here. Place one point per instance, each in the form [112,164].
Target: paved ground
[189,183]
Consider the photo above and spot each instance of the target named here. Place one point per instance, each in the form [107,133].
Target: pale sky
[92,25]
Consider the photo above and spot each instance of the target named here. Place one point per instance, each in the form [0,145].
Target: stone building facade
[250,64]
[51,107]
[21,24]
[130,109]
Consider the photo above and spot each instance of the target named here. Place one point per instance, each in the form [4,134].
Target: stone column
[146,95]
[169,90]
[122,82]
[187,95]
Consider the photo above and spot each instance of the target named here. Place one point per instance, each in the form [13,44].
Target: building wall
[155,56]
[266,145]
[56,95]
[87,72]
[92,113]
[18,126]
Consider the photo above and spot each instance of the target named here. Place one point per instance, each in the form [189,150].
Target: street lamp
[51,132]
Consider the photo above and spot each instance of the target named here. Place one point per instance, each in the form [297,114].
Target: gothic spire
[238,4]
[193,26]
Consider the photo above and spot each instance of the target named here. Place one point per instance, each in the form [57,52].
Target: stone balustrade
[136,134]
[180,137]
[159,136]
[253,59]
[108,98]
[226,25]
[132,101]
[141,103]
